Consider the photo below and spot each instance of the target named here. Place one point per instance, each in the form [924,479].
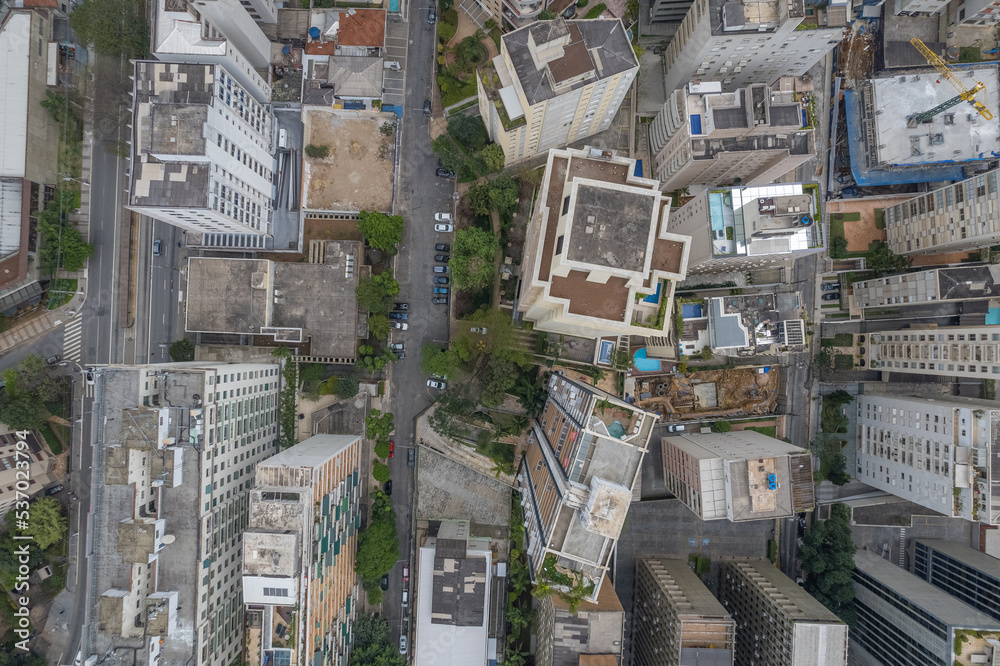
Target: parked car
[444,228]
[432,16]
[397,346]
[397,315]
[402,644]
[400,306]
[442,217]
[440,280]
[388,487]
[835,296]
[445,173]
[442,269]
[399,326]
[478,329]
[439,300]
[400,355]
[157,247]
[392,447]
[406,569]
[443,258]
[90,376]
[52,360]
[676,427]
[442,247]
[433,383]
[427,102]
[384,583]
[406,598]
[830,286]
[54,490]
[410,455]
[440,290]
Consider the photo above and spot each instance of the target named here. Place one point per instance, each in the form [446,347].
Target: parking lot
[393,91]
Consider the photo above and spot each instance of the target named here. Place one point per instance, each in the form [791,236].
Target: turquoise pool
[993,317]
[643,364]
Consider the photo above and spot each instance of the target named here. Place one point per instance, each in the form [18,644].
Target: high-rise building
[568,637]
[602,262]
[965,573]
[584,453]
[175,446]
[935,453]
[950,351]
[741,228]
[740,475]
[956,284]
[675,619]
[955,218]
[903,620]
[703,136]
[555,82]
[742,43]
[298,553]
[669,11]
[778,623]
[201,150]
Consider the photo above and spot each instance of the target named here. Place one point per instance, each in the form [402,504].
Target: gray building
[675,619]
[903,620]
[963,572]
[962,283]
[593,629]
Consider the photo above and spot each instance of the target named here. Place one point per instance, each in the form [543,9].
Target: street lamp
[82,182]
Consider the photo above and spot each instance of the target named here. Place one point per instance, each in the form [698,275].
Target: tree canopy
[379,425]
[371,643]
[493,157]
[827,555]
[468,130]
[181,350]
[493,360]
[881,260]
[62,244]
[116,28]
[378,547]
[376,293]
[473,256]
[45,524]
[437,361]
[383,232]
[497,194]
[28,389]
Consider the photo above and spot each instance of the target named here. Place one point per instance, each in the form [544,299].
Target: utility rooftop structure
[201,150]
[555,82]
[934,285]
[601,260]
[592,631]
[747,227]
[703,136]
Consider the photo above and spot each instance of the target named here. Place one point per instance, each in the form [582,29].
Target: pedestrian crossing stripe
[73,340]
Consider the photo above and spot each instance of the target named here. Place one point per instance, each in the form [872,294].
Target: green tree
[383,232]
[378,550]
[530,394]
[380,472]
[840,397]
[376,293]
[370,630]
[10,553]
[450,155]
[437,361]
[46,524]
[493,360]
[379,327]
[881,260]
[838,248]
[116,28]
[347,386]
[493,157]
[722,426]
[181,350]
[382,448]
[468,130]
[706,353]
[827,556]
[498,194]
[473,258]
[547,15]
[379,425]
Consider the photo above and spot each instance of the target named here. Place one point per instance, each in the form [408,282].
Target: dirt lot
[354,176]
[861,233]
[740,391]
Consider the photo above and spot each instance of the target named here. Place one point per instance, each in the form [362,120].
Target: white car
[675,428]
[400,325]
[481,331]
[402,644]
[433,383]
[442,217]
[444,228]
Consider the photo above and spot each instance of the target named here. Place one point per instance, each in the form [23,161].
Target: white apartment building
[956,218]
[555,82]
[703,136]
[201,150]
[951,351]
[176,445]
[978,12]
[743,43]
[218,32]
[935,453]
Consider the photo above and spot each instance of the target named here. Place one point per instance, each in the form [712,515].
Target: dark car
[388,487]
[52,360]
[442,247]
[400,355]
[157,247]
[427,107]
[830,286]
[384,583]
[398,315]
[54,490]
[400,306]
[445,173]
[440,300]
[443,258]
[835,296]
[440,280]
[432,16]
[409,457]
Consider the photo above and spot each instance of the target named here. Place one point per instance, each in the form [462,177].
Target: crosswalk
[73,340]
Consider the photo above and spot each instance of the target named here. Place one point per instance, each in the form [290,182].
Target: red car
[392,447]
[406,573]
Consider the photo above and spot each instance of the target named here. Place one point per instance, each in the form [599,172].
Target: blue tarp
[695,123]
[393,108]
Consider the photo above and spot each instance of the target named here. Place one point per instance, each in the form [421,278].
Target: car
[54,490]
[440,290]
[406,597]
[90,376]
[388,487]
[478,329]
[444,173]
[433,383]
[406,569]
[384,583]
[399,326]
[835,296]
[442,269]
[442,247]
[444,228]
[392,447]
[676,427]
[402,644]
[439,300]
[400,306]
[397,346]
[400,355]
[830,286]
[443,258]
[398,315]
[52,360]
[157,247]
[440,280]
[432,16]
[442,217]
[410,455]
[427,104]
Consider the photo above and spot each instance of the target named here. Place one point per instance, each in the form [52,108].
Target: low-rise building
[593,630]
[738,475]
[743,228]
[956,284]
[343,64]
[676,620]
[599,259]
[969,575]
[298,553]
[749,325]
[703,136]
[950,351]
[15,453]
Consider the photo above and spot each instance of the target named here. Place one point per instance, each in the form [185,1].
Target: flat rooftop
[763,220]
[729,17]
[270,554]
[611,226]
[959,134]
[975,559]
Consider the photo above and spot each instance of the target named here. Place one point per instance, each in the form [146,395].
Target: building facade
[950,351]
[954,284]
[14,450]
[298,553]
[978,12]
[555,82]
[601,261]
[201,150]
[778,623]
[956,218]
[176,446]
[676,619]
[743,228]
[669,11]
[903,620]
[969,575]
[743,43]
[594,630]
[703,136]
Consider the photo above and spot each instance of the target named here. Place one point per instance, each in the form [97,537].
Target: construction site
[710,393]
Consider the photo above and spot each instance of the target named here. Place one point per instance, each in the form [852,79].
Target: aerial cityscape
[499,332]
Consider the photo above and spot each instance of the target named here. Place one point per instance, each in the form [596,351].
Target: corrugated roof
[14,74]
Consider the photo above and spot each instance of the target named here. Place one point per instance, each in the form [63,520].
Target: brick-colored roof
[365,27]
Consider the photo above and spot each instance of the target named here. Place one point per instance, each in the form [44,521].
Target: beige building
[555,82]
[600,260]
[949,351]
[703,136]
[568,637]
[739,475]
[956,218]
[39,468]
[676,620]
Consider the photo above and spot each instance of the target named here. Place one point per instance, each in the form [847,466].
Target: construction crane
[946,72]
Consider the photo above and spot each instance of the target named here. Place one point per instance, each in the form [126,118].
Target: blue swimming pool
[691,310]
[643,364]
[616,430]
[654,298]
[606,348]
[993,317]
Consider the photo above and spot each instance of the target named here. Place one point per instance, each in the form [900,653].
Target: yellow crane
[964,94]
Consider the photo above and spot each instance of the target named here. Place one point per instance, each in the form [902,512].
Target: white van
[282,138]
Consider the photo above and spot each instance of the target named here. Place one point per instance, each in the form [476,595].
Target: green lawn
[770,431]
[838,340]
[61,292]
[50,437]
